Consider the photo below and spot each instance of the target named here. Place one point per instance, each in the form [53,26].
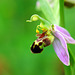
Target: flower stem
[69,70]
[61,8]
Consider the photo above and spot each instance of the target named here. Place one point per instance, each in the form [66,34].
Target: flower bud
[69,3]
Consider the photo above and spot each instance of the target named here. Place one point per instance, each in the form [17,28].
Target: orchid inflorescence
[52,34]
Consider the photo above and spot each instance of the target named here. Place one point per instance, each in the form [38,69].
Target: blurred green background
[16,37]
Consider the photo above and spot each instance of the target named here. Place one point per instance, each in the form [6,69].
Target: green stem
[69,70]
[61,5]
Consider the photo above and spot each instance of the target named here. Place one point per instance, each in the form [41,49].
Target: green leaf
[47,10]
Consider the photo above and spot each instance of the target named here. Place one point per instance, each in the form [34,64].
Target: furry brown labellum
[47,42]
[42,41]
[35,48]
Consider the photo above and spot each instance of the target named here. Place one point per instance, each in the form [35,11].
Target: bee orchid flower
[52,34]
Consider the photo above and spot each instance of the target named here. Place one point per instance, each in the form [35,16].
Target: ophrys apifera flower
[52,34]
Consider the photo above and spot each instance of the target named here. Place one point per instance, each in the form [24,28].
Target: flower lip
[47,42]
[40,43]
[35,48]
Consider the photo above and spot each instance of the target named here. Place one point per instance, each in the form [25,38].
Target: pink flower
[52,34]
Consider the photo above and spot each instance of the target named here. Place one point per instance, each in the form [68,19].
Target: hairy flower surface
[52,34]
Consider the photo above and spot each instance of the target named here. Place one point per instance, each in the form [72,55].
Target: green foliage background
[16,37]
